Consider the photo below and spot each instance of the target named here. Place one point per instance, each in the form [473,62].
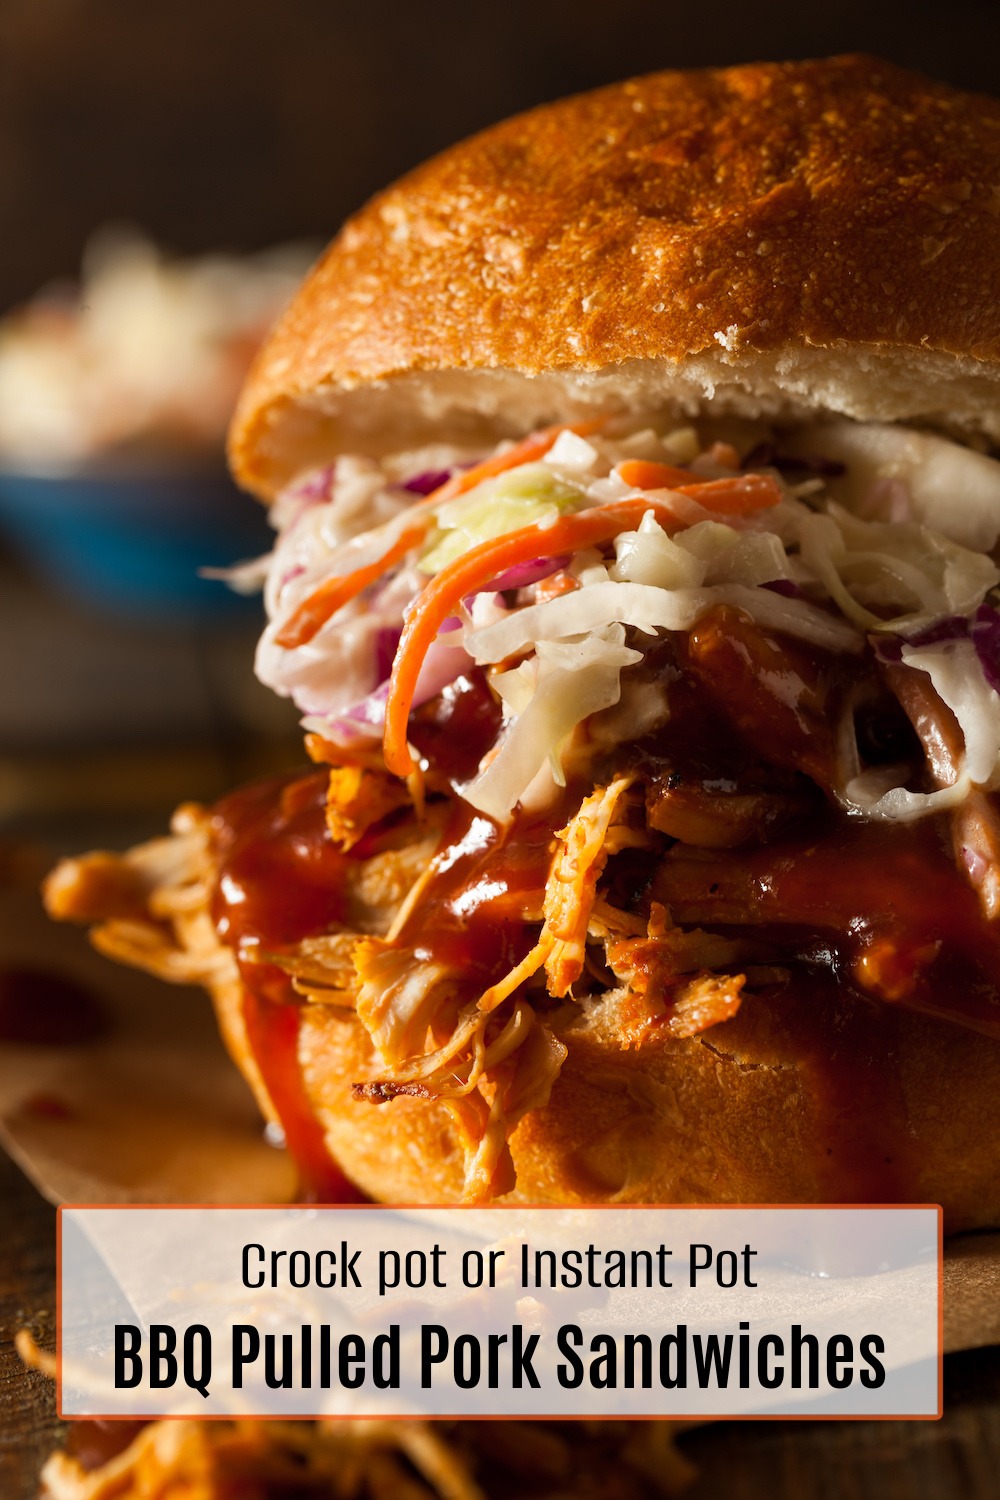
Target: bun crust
[738,1118]
[781,238]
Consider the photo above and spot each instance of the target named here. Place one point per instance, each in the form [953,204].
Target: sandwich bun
[740,1114]
[791,242]
[780,239]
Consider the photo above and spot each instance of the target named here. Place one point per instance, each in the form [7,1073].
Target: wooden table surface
[957,1458]
[29,1428]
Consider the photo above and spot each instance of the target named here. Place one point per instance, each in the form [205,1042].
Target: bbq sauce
[865,920]
[885,904]
[280,879]
[47,1009]
[454,730]
[481,913]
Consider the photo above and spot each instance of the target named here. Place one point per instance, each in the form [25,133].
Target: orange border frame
[518,1417]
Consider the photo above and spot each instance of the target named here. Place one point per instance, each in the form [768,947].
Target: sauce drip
[481,913]
[49,1009]
[280,879]
[280,875]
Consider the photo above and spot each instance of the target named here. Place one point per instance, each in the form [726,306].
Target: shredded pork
[976,821]
[349,1460]
[376,1460]
[674,662]
[571,888]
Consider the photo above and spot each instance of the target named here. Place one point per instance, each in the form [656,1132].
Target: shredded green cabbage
[527,496]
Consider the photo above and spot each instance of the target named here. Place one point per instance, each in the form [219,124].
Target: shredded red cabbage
[785,587]
[982,629]
[427,482]
[442,664]
[519,576]
[984,632]
[889,648]
[286,578]
[370,710]
[385,650]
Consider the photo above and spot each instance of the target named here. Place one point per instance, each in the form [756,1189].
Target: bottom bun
[764,1112]
[804,1096]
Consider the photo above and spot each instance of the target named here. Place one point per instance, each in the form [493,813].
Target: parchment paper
[155,1112]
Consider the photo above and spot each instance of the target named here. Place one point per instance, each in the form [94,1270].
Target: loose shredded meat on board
[399,1460]
[150,905]
[377,1460]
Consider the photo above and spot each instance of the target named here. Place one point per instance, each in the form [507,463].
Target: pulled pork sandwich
[635,578]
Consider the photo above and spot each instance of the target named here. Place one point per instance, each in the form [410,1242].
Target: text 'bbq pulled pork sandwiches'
[634,575]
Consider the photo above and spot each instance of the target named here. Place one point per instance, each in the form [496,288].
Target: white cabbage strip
[649,608]
[574,680]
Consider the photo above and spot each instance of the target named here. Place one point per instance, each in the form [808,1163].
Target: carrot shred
[313,613]
[556,584]
[644,475]
[724,454]
[742,494]
[474,570]
[527,451]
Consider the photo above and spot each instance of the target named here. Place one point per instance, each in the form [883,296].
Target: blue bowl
[133,541]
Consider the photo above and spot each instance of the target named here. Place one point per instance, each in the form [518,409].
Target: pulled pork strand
[976,823]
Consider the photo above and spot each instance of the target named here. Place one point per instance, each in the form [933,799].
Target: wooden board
[29,1428]
[955,1459]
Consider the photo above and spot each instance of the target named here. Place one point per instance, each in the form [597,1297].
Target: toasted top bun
[782,238]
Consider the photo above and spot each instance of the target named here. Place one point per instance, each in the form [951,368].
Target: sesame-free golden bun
[735,1115]
[781,239]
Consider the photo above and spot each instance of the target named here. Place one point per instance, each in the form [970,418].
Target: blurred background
[166,171]
[203,128]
